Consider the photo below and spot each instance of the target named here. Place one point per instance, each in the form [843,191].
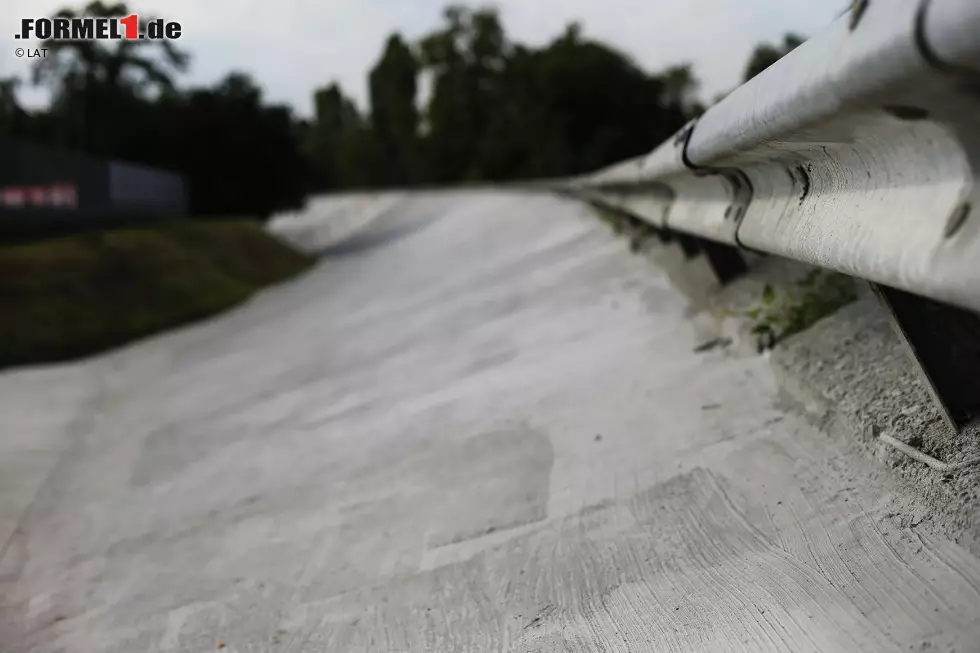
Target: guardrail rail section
[857,152]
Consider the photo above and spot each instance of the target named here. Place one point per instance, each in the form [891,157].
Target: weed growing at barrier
[615,221]
[638,232]
[781,314]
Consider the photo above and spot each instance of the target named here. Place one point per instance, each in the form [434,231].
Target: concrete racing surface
[482,427]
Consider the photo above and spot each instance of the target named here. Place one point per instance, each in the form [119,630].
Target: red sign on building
[50,195]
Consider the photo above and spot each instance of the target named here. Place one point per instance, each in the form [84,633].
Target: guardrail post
[944,342]
[726,262]
[689,244]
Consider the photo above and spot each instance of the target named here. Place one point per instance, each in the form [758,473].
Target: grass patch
[77,295]
[816,295]
[616,221]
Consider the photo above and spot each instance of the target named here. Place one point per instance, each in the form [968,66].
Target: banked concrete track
[477,425]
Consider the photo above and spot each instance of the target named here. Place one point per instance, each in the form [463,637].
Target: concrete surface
[479,425]
[329,220]
[854,375]
[854,379]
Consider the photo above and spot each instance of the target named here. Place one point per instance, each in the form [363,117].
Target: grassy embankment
[72,296]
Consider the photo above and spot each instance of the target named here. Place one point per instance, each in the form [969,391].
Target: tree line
[497,110]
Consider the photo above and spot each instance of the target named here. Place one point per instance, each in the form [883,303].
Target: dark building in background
[48,189]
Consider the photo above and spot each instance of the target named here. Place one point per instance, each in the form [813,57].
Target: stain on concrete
[491,482]
[166,451]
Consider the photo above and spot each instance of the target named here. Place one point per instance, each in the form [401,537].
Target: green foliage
[73,296]
[467,59]
[140,66]
[394,116]
[337,143]
[807,300]
[242,157]
[766,55]
[587,105]
[615,221]
[119,99]
[498,110]
[680,89]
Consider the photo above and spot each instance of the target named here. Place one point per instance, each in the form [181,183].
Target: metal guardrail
[858,152]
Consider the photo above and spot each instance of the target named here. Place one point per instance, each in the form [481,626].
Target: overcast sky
[293,46]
